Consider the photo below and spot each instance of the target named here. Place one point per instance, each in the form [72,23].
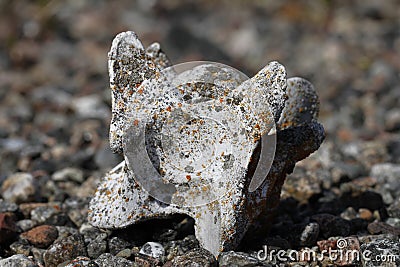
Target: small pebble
[18,260]
[19,188]
[26,224]
[365,214]
[309,235]
[68,174]
[153,249]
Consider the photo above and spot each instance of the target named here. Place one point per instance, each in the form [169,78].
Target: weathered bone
[144,93]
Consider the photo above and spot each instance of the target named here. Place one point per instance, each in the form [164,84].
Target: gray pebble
[48,215]
[26,224]
[387,175]
[68,174]
[91,233]
[116,244]
[96,247]
[6,206]
[19,188]
[309,235]
[18,260]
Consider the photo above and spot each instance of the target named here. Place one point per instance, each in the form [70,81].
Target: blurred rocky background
[55,114]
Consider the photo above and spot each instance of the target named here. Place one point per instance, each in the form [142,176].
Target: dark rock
[231,258]
[65,249]
[116,244]
[331,225]
[108,260]
[358,225]
[8,227]
[277,242]
[41,236]
[18,260]
[196,257]
[165,235]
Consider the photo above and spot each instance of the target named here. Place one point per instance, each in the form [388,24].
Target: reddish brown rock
[41,236]
[8,227]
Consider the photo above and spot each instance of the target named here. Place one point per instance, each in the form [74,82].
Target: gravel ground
[55,114]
